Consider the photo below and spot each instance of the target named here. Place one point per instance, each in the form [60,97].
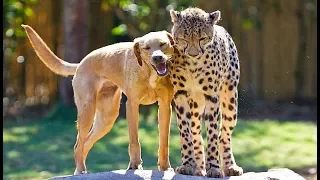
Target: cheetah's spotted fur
[205,73]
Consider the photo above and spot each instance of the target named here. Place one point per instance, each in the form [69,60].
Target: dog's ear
[170,38]
[137,52]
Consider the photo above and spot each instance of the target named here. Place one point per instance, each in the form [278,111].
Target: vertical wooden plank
[310,78]
[269,52]
[288,50]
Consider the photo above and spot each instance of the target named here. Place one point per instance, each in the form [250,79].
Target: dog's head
[155,48]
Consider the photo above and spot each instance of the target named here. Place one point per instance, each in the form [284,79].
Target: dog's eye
[162,44]
[146,48]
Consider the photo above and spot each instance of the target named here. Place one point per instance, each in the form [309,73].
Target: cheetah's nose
[193,55]
[193,52]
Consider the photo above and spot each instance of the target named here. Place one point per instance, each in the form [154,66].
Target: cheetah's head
[193,29]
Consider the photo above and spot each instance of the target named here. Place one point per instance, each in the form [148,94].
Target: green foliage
[14,14]
[135,18]
[38,149]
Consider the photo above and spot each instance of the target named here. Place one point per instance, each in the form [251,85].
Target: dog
[138,69]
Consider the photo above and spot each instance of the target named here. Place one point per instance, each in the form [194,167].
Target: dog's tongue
[161,68]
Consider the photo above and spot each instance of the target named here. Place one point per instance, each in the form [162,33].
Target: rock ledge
[272,174]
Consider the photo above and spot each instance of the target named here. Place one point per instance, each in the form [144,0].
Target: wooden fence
[276,41]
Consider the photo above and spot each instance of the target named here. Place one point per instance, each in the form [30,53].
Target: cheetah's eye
[203,38]
[180,39]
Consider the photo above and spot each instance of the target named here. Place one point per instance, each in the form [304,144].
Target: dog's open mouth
[161,68]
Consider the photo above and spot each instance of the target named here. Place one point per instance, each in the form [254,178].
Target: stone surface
[272,174]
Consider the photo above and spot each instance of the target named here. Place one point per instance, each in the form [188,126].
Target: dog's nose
[157,58]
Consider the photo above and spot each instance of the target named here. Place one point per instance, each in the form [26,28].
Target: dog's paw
[135,166]
[233,170]
[186,170]
[214,173]
[76,172]
[170,169]
[164,167]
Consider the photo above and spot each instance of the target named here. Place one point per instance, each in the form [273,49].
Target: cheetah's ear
[175,16]
[215,16]
[136,50]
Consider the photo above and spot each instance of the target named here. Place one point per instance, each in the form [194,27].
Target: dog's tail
[54,63]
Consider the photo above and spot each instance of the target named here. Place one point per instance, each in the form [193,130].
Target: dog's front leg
[132,108]
[164,118]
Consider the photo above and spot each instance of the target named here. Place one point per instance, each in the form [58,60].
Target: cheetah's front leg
[197,104]
[211,117]
[188,166]
[229,101]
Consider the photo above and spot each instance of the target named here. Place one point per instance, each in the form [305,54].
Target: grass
[37,149]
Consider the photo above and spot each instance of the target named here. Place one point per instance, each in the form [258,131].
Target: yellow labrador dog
[138,69]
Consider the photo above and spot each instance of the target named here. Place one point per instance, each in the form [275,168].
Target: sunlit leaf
[18,5]
[247,24]
[143,26]
[120,30]
[28,12]
[145,11]
[123,3]
[20,33]
[18,20]
[9,32]
[105,6]
[9,15]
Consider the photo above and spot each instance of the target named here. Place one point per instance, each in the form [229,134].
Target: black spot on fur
[181,92]
[181,110]
[193,124]
[183,78]
[232,100]
[230,107]
[210,98]
[188,115]
[184,146]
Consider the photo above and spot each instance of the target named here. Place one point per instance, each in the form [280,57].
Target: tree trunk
[75,41]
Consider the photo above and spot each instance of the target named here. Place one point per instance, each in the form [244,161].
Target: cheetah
[205,74]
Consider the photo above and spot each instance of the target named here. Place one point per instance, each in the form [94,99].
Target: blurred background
[276,41]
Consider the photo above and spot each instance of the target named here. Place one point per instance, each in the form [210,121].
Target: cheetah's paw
[215,173]
[200,172]
[186,170]
[233,170]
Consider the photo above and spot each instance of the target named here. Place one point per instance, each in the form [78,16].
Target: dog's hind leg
[85,95]
[108,104]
